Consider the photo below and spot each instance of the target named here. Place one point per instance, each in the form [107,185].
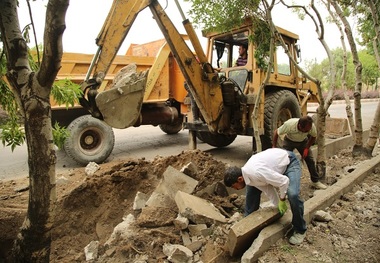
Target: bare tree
[32,92]
[374,130]
[358,147]
[313,13]
[344,71]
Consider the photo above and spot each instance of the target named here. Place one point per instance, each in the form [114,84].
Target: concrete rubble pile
[205,229]
[202,226]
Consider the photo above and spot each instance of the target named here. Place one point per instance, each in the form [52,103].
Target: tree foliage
[12,134]
[366,25]
[64,92]
[321,70]
[226,15]
[223,15]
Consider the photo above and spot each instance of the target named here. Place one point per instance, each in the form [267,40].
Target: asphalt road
[148,142]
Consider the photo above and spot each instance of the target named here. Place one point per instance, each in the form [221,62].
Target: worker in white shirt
[268,171]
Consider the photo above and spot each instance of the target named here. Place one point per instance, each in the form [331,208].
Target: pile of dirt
[90,207]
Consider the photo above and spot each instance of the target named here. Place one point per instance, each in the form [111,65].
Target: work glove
[282,207]
[305,153]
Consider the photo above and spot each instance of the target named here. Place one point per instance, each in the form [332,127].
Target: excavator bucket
[128,89]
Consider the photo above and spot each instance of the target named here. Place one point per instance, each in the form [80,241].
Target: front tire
[90,140]
[279,107]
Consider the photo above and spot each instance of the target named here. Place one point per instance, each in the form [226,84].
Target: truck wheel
[216,140]
[279,107]
[90,140]
[172,128]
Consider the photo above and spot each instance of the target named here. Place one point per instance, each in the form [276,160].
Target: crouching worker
[265,172]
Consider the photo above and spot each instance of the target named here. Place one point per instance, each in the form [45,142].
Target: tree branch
[54,27]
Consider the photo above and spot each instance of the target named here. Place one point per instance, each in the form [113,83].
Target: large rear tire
[90,140]
[279,107]
[216,140]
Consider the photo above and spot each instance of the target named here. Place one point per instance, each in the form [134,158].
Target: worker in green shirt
[300,134]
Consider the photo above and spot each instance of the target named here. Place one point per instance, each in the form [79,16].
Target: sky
[85,18]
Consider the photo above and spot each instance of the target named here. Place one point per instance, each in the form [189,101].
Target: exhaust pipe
[157,115]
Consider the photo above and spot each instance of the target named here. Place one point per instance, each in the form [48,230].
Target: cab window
[283,61]
[226,49]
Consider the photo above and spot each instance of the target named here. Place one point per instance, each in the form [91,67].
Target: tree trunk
[373,133]
[33,243]
[32,91]
[358,147]
[323,106]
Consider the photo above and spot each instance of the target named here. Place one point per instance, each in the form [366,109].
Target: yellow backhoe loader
[180,86]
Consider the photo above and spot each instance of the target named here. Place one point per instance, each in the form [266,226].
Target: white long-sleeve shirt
[265,171]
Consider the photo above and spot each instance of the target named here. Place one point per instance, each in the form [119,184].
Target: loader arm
[116,27]
[201,78]
[119,21]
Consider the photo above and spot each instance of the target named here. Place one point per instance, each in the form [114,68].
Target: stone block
[198,210]
[244,232]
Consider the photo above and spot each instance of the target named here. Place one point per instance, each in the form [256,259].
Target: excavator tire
[279,106]
[216,140]
[90,140]
[173,128]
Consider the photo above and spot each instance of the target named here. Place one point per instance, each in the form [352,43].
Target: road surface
[148,142]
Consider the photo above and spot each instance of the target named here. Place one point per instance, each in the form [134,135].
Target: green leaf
[65,92]
[60,134]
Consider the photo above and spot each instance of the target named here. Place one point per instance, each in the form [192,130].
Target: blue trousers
[293,172]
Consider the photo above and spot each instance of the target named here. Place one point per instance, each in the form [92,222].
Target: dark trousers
[309,160]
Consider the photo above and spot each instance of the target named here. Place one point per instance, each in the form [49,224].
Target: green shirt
[289,128]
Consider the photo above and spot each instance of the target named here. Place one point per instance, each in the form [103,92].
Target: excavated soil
[90,207]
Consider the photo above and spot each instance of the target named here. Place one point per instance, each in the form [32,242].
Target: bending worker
[266,172]
[300,134]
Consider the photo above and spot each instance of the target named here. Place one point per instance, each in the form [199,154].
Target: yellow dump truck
[177,86]
[164,99]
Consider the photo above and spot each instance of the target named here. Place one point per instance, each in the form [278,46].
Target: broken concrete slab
[190,169]
[243,232]
[160,200]
[140,200]
[91,250]
[185,238]
[173,181]
[177,253]
[123,231]
[195,245]
[156,217]
[181,222]
[198,210]
[196,230]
